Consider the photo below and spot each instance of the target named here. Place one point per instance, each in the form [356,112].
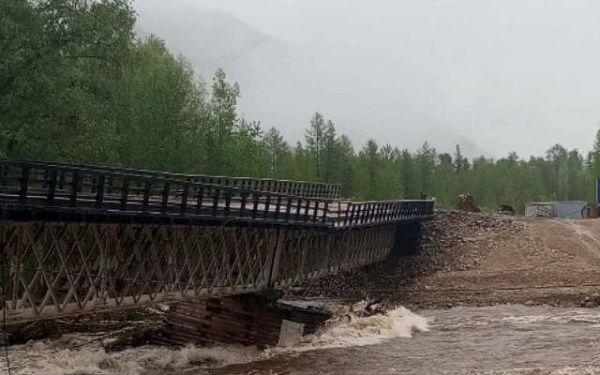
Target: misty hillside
[209,39]
[283,83]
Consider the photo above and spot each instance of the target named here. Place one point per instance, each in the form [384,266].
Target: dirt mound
[476,259]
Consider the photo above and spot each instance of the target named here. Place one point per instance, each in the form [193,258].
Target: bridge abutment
[406,238]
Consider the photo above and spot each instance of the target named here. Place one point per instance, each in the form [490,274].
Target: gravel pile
[457,240]
[452,241]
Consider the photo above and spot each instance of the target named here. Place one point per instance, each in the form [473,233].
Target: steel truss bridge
[79,238]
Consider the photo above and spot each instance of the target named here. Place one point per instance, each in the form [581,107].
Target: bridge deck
[100,190]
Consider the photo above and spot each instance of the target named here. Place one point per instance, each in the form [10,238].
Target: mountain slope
[367,92]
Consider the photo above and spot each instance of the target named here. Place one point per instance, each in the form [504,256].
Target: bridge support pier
[248,319]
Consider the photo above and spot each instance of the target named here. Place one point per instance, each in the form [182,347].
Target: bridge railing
[305,189]
[30,184]
[38,185]
[379,212]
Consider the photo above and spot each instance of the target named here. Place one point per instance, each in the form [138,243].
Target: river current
[505,339]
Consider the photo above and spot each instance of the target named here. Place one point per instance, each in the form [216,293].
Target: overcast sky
[494,76]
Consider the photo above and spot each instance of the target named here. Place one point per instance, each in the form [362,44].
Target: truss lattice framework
[58,268]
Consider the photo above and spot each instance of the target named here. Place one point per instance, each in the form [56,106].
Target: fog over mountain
[493,76]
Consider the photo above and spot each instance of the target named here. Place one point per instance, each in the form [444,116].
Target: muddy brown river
[466,340]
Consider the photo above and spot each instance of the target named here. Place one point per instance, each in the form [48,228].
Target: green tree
[222,124]
[158,116]
[314,137]
[278,153]
[368,167]
[60,60]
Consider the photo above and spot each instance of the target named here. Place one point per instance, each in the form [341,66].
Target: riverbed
[503,339]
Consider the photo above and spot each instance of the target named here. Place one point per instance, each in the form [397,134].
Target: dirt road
[529,261]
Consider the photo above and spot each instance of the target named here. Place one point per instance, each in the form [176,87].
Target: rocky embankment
[477,259]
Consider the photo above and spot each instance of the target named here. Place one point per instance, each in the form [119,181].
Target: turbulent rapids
[503,339]
[80,353]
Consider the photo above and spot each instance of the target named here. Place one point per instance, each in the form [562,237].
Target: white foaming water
[346,330]
[351,330]
[95,360]
[82,354]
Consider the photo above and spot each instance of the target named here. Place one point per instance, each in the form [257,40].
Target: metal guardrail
[305,189]
[87,190]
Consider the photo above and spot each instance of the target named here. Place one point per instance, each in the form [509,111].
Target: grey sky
[493,76]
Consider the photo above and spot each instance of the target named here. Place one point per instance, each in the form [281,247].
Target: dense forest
[77,84]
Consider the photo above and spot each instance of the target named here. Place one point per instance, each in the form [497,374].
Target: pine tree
[277,151]
[315,135]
